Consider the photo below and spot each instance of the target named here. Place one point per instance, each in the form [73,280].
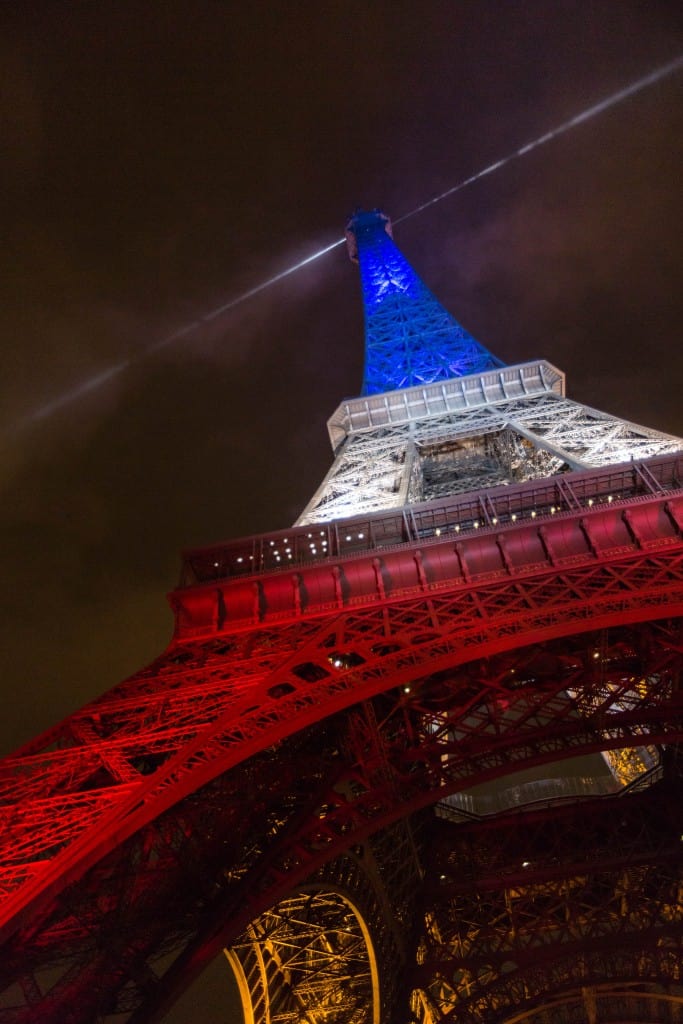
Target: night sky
[159,159]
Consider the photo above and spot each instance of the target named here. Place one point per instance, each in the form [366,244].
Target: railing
[541,793]
[457,514]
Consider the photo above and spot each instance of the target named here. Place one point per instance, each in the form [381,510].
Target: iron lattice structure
[409,337]
[355,766]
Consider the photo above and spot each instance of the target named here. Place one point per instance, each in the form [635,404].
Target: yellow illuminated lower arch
[311,955]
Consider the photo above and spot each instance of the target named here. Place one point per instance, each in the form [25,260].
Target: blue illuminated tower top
[409,337]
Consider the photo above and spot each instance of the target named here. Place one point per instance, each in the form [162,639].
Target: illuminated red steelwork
[332,697]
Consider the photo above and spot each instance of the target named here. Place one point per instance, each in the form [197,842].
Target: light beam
[598,108]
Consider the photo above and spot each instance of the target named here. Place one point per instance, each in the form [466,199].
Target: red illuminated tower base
[413,760]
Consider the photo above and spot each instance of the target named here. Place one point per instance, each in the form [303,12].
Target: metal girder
[454,513]
[526,912]
[410,337]
[312,962]
[271,958]
[202,709]
[366,772]
[367,472]
[454,555]
[459,394]
[607,1003]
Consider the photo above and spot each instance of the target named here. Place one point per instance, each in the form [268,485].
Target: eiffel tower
[412,760]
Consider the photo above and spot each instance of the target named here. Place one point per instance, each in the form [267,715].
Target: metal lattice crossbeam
[410,338]
[524,909]
[364,776]
[374,467]
[422,634]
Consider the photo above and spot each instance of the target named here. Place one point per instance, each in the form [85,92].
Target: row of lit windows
[316,544]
